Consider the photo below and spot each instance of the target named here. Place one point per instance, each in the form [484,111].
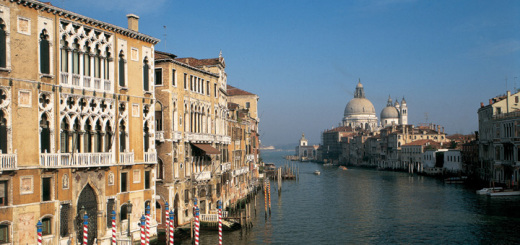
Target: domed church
[394,114]
[360,112]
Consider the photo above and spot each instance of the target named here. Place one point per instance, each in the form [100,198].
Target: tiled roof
[422,142]
[198,63]
[231,91]
[339,129]
[163,55]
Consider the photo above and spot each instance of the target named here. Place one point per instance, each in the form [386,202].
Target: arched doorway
[176,206]
[87,200]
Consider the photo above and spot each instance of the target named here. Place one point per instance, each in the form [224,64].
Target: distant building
[360,112]
[305,151]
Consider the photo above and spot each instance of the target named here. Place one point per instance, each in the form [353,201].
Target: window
[4,233]
[64,218]
[97,63]
[86,62]
[121,69]
[158,117]
[185,81]
[147,180]
[64,56]
[3,131]
[191,82]
[122,137]
[207,87]
[46,226]
[3,193]
[44,52]
[110,207]
[124,182]
[45,132]
[3,45]
[75,57]
[158,76]
[146,79]
[106,64]
[215,90]
[174,77]
[46,188]
[124,212]
[186,196]
[248,105]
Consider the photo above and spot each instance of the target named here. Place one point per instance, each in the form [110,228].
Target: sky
[304,58]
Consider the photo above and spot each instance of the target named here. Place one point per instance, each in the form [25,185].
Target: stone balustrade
[204,175]
[8,161]
[62,160]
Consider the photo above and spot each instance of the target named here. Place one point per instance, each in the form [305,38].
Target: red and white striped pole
[39,230]
[167,219]
[269,195]
[265,198]
[197,226]
[143,235]
[148,225]
[114,241]
[219,206]
[85,229]
[172,230]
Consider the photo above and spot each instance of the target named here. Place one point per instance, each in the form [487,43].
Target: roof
[210,150]
[422,143]
[339,129]
[163,55]
[167,57]
[200,62]
[232,91]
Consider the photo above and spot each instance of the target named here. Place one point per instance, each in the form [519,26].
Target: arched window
[97,63]
[99,137]
[108,137]
[75,57]
[146,75]
[3,45]
[86,62]
[64,56]
[158,117]
[146,139]
[122,137]
[88,136]
[44,52]
[45,139]
[106,66]
[75,136]
[160,172]
[121,69]
[64,136]
[124,212]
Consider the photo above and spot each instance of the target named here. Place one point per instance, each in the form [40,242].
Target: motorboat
[343,168]
[485,191]
[317,172]
[504,193]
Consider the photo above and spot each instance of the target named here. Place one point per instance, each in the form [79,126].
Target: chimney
[481,104]
[133,22]
[490,101]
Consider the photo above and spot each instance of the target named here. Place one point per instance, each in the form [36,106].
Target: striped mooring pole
[167,219]
[143,235]
[39,231]
[85,229]
[172,230]
[269,195]
[114,241]
[265,198]
[219,203]
[197,226]
[148,225]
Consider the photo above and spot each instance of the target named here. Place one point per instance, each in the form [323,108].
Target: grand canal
[366,206]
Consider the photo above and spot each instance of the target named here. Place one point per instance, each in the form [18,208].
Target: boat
[317,172]
[327,164]
[485,191]
[343,168]
[456,180]
[507,192]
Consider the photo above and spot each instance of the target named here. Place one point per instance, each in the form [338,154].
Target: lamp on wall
[129,211]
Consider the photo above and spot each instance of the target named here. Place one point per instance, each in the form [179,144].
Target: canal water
[366,206]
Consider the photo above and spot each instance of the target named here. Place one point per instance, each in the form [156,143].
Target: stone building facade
[77,125]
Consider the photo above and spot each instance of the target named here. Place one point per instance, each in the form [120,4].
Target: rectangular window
[249,105]
[202,87]
[147,180]
[46,226]
[191,82]
[124,182]
[174,77]
[186,196]
[158,76]
[207,87]
[46,189]
[4,233]
[185,81]
[215,90]
[3,193]
[64,217]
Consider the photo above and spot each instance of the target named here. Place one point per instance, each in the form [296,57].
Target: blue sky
[304,58]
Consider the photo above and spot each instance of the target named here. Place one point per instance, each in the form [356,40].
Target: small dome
[389,112]
[359,106]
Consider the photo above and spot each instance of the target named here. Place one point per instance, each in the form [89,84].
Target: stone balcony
[8,161]
[79,81]
[76,160]
[240,171]
[225,167]
[159,136]
[199,137]
[176,136]
[126,158]
[204,175]
[250,157]
[150,157]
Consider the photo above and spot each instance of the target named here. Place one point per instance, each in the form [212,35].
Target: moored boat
[317,172]
[504,193]
[485,191]
[456,180]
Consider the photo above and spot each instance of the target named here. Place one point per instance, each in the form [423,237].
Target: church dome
[389,112]
[359,106]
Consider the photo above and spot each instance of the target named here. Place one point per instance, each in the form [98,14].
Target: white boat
[485,191]
[327,164]
[504,193]
[317,172]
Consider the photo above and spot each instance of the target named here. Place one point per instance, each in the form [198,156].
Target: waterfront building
[331,148]
[452,161]
[76,134]
[192,139]
[304,151]
[412,153]
[499,139]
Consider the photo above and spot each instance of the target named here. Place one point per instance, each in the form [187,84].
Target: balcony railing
[97,83]
[108,85]
[87,82]
[64,78]
[204,175]
[60,160]
[197,137]
[8,161]
[75,80]
[126,158]
[176,136]
[240,171]
[226,167]
[150,157]
[159,136]
[250,157]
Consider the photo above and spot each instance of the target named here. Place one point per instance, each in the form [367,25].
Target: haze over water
[366,206]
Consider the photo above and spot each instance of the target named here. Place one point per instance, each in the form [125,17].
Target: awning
[210,150]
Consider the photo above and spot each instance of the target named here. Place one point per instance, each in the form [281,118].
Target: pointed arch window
[64,136]
[45,132]
[97,63]
[44,53]
[121,66]
[146,75]
[108,137]
[75,136]
[64,55]
[122,137]
[146,139]
[75,57]
[3,132]
[99,137]
[88,137]
[3,45]
[106,64]
[86,62]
